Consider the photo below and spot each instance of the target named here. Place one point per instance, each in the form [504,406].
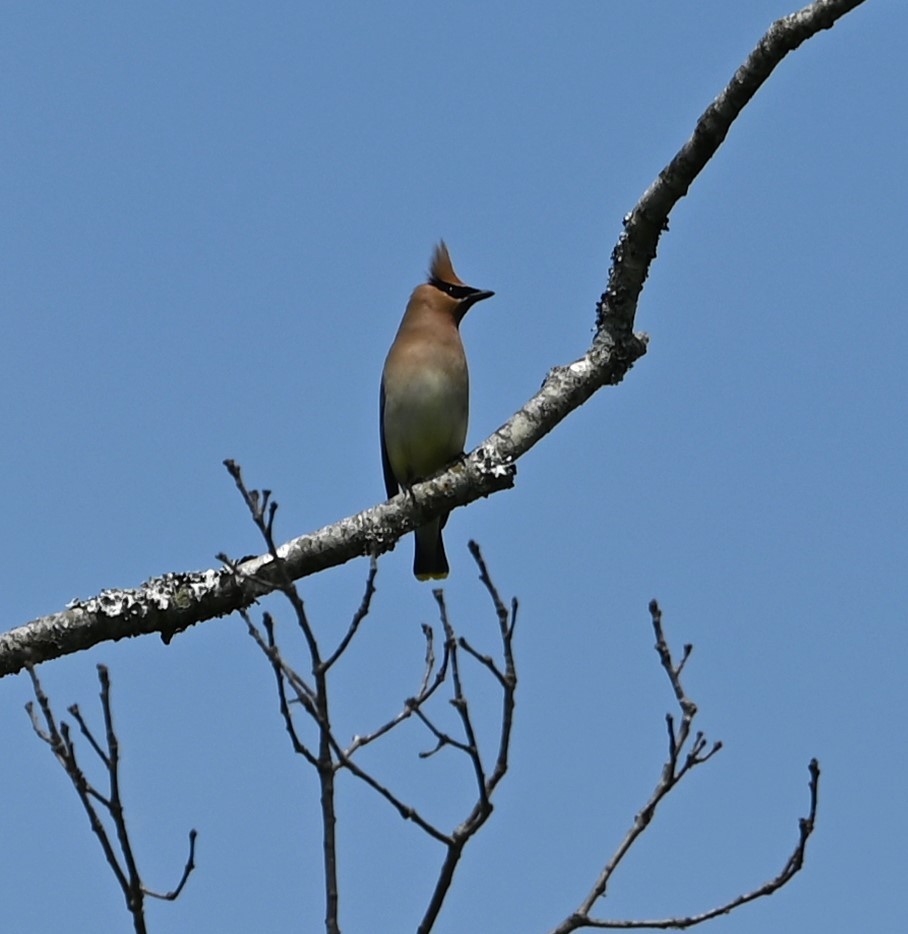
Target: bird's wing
[391,484]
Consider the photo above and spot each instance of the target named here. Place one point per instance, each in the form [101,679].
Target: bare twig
[59,738]
[361,613]
[443,739]
[283,676]
[312,698]
[427,688]
[793,865]
[174,893]
[684,753]
[487,782]
[330,757]
[461,704]
[406,811]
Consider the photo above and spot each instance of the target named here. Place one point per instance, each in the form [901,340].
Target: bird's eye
[459,292]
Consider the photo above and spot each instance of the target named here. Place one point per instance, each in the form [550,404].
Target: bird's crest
[441,269]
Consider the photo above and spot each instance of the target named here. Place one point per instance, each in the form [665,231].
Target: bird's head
[455,293]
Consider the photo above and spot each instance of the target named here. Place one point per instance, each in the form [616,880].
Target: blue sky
[213,215]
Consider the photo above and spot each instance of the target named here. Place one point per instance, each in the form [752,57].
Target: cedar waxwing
[425,396]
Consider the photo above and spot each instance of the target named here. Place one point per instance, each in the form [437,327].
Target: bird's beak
[471,300]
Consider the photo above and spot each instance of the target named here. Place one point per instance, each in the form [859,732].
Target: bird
[425,396]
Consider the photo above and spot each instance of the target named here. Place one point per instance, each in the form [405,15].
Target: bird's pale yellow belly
[425,425]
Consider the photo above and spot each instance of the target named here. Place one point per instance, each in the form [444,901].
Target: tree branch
[482,809]
[794,865]
[173,602]
[684,755]
[332,758]
[58,737]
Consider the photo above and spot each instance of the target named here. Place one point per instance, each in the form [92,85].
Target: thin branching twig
[686,750]
[328,755]
[488,781]
[120,857]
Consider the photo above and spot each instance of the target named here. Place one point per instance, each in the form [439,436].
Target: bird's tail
[430,561]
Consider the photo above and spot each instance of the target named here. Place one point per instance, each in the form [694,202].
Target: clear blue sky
[212,217]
